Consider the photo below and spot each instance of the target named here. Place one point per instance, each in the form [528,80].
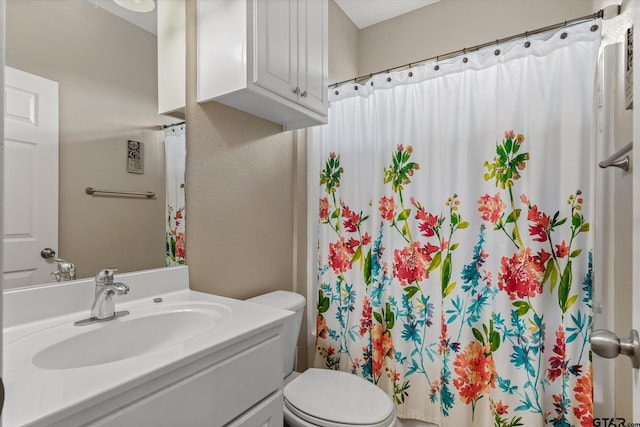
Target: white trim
[313,171]
[635,155]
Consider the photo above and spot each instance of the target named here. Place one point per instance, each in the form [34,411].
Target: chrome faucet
[103,307]
[66,270]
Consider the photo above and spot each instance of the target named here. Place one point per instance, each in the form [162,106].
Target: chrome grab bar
[615,159]
[91,191]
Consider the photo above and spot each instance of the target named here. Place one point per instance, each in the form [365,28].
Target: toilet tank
[286,301]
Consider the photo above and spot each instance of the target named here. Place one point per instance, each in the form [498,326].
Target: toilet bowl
[321,397]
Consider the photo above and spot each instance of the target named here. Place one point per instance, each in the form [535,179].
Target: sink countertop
[36,396]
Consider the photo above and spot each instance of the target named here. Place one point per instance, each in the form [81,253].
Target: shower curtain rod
[453,54]
[172,125]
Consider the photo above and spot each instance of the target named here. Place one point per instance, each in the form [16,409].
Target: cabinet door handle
[296,90]
[304,94]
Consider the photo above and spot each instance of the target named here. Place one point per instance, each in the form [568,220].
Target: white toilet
[322,397]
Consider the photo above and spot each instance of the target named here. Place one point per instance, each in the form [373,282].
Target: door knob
[607,344]
[47,253]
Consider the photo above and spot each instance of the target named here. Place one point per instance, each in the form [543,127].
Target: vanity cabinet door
[267,413]
[216,396]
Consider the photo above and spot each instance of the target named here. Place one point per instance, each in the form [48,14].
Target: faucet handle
[105,276]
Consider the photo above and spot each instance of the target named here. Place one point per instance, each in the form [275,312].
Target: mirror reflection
[82,83]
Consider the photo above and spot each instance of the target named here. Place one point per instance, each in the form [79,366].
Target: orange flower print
[382,344]
[340,254]
[321,326]
[562,250]
[476,372]
[324,209]
[387,208]
[491,207]
[520,275]
[501,409]
[584,396]
[410,264]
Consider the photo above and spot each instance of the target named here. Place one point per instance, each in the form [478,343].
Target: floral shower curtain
[454,245]
[175,150]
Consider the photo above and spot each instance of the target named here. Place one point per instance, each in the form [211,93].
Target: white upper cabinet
[171,57]
[265,57]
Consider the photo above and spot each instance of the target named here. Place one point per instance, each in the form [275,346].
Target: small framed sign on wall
[135,157]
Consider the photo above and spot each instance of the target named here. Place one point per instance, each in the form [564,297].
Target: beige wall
[239,195]
[451,25]
[106,69]
[343,45]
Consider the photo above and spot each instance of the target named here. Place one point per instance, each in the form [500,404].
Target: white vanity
[180,358]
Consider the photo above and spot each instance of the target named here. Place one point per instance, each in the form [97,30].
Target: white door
[30,177]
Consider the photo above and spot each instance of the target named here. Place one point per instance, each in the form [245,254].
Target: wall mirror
[105,70]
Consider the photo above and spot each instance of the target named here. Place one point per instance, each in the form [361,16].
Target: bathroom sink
[145,330]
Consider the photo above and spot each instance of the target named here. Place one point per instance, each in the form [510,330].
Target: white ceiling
[364,13]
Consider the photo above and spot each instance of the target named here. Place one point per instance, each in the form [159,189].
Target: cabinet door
[276,65]
[312,54]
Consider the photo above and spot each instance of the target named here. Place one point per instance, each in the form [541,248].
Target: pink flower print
[180,245]
[353,244]
[428,222]
[430,249]
[509,134]
[491,207]
[324,209]
[352,220]
[524,199]
[410,264]
[540,222]
[340,254]
[558,362]
[365,321]
[387,208]
[366,239]
[520,275]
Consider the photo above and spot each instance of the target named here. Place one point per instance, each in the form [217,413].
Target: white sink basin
[145,330]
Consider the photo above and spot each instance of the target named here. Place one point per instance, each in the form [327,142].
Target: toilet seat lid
[338,397]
